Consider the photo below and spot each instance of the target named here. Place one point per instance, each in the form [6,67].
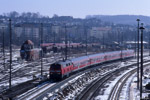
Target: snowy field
[22,71]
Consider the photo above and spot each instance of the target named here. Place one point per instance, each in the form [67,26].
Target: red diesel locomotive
[62,69]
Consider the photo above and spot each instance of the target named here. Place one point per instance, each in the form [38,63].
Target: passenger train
[61,69]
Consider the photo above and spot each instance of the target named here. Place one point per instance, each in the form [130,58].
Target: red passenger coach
[127,53]
[63,69]
[80,62]
[97,58]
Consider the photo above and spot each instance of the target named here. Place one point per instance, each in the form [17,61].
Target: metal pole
[66,43]
[85,32]
[3,46]
[141,28]
[138,55]
[118,38]
[54,43]
[69,39]
[41,49]
[32,34]
[10,36]
[122,47]
[135,44]
[86,39]
[103,42]
[149,44]
[54,37]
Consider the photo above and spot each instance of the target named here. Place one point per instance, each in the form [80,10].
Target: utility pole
[3,47]
[141,28]
[32,36]
[138,55]
[118,37]
[121,47]
[54,37]
[135,44]
[85,32]
[69,39]
[41,49]
[54,48]
[149,44]
[66,48]
[103,42]
[10,47]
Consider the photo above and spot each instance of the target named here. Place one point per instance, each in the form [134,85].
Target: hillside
[122,19]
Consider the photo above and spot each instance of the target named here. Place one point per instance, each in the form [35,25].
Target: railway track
[103,68]
[23,69]
[115,92]
[89,92]
[31,94]
[40,92]
[49,87]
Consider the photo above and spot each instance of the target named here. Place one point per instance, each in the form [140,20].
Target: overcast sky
[77,8]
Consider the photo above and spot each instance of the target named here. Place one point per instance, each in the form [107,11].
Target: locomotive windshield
[55,67]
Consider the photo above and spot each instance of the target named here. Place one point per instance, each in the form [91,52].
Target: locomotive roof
[63,62]
[99,54]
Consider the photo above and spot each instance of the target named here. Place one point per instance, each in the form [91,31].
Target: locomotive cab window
[55,67]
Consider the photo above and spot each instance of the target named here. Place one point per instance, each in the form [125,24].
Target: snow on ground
[18,65]
[134,92]
[134,95]
[5,85]
[40,91]
[18,69]
[72,85]
[79,89]
[19,80]
[125,93]
[110,87]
